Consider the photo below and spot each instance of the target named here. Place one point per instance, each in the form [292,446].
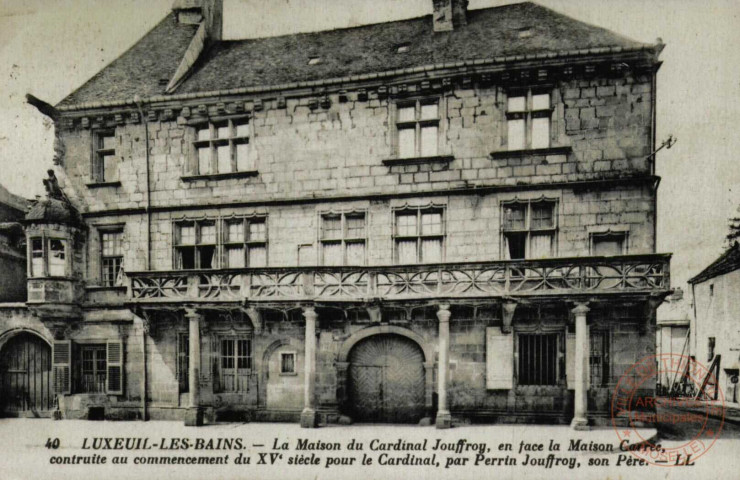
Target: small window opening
[314,60]
[402,48]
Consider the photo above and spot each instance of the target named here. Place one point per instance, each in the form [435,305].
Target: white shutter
[62,366]
[570,360]
[115,368]
[499,359]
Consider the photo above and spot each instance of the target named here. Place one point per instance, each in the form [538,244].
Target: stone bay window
[48,257]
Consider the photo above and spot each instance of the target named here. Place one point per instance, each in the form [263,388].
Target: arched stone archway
[26,381]
[383,351]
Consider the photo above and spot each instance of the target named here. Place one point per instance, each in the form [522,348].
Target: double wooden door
[26,387]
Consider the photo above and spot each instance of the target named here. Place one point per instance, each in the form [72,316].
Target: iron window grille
[599,358]
[538,359]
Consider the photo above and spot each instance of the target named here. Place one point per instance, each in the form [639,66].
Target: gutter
[366,76]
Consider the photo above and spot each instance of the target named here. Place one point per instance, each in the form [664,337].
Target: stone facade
[489,329]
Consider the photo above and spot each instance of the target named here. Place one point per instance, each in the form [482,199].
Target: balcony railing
[559,276]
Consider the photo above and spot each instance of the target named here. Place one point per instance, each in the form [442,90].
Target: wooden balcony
[636,275]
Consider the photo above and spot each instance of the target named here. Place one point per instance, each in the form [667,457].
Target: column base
[444,419]
[309,418]
[194,417]
[579,423]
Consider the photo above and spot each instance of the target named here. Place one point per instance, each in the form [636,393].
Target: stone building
[444,219]
[715,337]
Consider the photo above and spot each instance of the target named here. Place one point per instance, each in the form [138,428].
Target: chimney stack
[193,12]
[449,14]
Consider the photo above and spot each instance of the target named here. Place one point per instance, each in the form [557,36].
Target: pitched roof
[53,210]
[726,263]
[517,29]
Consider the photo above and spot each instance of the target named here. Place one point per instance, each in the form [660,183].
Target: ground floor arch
[26,382]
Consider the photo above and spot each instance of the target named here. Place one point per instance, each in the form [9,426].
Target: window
[528,120]
[93,368]
[222,147]
[598,359]
[183,361]
[287,363]
[418,129]
[419,235]
[48,257]
[608,244]
[538,354]
[104,164]
[195,245]
[245,242]
[343,239]
[112,258]
[235,363]
[529,229]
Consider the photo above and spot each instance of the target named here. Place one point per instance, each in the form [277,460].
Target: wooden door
[26,387]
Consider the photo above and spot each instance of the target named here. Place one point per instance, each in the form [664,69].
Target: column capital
[581,309]
[193,313]
[443,314]
[309,312]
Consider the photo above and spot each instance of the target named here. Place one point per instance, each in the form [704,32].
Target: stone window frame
[99,153]
[420,236]
[529,113]
[623,233]
[103,230]
[417,123]
[247,243]
[343,239]
[233,140]
[528,230]
[540,328]
[197,246]
[294,371]
[45,256]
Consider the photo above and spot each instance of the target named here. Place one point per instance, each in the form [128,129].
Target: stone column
[444,419]
[308,416]
[194,415]
[580,416]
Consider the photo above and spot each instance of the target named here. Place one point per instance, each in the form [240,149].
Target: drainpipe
[144,332]
[147,208]
[653,103]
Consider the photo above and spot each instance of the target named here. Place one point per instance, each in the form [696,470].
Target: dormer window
[314,60]
[402,48]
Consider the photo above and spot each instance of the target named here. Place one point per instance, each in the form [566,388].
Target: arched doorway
[26,387]
[386,380]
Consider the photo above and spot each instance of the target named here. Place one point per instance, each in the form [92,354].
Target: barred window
[419,235]
[343,239]
[599,358]
[112,258]
[183,361]
[538,355]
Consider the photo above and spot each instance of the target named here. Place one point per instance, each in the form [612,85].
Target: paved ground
[24,453]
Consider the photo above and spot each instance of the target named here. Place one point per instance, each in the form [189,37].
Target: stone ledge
[117,183]
[220,176]
[533,151]
[417,160]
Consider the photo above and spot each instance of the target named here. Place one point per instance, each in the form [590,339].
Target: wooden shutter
[499,359]
[62,366]
[215,366]
[114,362]
[570,360]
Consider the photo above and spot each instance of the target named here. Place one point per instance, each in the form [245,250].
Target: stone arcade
[442,219]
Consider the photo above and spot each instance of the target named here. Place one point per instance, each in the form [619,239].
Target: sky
[51,47]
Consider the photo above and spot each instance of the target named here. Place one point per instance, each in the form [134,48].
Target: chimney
[449,14]
[194,12]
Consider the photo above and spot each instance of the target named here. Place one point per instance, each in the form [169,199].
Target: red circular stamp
[691,404]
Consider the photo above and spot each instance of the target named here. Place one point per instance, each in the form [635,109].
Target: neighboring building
[672,338]
[12,247]
[715,332]
[446,218]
